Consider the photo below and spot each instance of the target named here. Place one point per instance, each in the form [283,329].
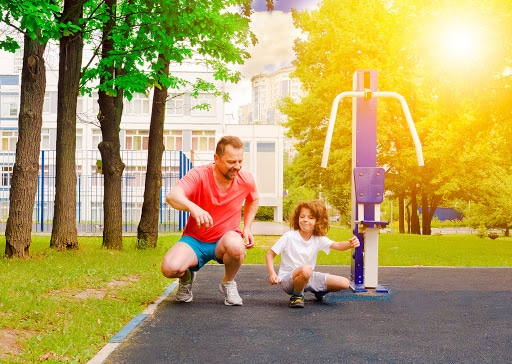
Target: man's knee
[232,245]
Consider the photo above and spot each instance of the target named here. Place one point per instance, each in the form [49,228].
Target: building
[267,91]
[192,131]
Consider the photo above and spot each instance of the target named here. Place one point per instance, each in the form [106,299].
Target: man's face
[230,162]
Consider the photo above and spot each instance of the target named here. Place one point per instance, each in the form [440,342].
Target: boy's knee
[305,272]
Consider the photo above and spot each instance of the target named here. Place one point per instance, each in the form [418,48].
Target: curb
[118,338]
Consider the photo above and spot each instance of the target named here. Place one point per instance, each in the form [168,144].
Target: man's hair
[319,212]
[234,141]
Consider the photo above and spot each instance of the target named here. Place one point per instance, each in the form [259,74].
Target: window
[10,106]
[79,139]
[96,137]
[50,102]
[138,105]
[45,139]
[137,140]
[80,105]
[266,162]
[173,140]
[174,104]
[6,175]
[202,100]
[203,140]
[9,139]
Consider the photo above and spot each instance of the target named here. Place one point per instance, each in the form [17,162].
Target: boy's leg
[336,283]
[322,283]
[301,277]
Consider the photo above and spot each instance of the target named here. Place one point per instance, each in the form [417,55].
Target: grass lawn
[64,306]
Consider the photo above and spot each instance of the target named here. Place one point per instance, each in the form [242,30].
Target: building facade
[191,131]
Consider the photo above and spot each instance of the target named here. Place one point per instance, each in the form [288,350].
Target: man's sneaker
[296,301]
[230,292]
[320,295]
[184,292]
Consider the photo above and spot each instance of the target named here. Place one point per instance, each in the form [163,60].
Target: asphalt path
[430,315]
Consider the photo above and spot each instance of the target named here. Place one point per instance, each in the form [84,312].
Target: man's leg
[231,251]
[178,260]
[176,264]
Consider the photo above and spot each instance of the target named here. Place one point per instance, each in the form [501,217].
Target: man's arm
[178,200]
[250,210]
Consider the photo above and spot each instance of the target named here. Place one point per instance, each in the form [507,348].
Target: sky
[274,50]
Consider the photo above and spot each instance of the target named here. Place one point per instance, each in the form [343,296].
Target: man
[214,195]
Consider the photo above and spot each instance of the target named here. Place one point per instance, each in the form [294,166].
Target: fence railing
[89,209]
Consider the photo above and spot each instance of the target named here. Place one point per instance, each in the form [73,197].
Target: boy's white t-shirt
[296,252]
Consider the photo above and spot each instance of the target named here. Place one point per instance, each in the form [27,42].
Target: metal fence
[89,190]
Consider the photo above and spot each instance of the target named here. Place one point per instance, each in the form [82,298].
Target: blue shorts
[204,251]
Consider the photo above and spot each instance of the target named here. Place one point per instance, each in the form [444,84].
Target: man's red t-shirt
[225,207]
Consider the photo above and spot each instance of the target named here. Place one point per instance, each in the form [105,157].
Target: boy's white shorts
[317,283]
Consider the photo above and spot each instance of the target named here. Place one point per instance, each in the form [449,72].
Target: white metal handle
[405,108]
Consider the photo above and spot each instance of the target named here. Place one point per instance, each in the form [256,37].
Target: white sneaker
[230,292]
[184,292]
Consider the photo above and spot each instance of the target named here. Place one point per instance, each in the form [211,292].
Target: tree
[325,71]
[147,230]
[31,19]
[64,232]
[212,36]
[110,100]
[451,113]
[24,178]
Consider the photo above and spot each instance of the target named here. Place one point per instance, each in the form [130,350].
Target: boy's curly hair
[319,212]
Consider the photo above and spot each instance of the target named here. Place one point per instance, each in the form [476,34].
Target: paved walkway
[431,315]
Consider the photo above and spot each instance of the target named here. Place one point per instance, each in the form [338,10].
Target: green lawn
[64,306]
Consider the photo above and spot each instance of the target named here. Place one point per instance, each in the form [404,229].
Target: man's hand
[202,217]
[248,239]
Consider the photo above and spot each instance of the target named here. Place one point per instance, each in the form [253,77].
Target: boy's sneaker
[230,292]
[320,295]
[296,301]
[184,292]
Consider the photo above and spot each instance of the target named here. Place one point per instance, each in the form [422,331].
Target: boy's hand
[273,279]
[354,242]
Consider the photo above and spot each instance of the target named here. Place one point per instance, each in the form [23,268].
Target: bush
[493,235]
[265,213]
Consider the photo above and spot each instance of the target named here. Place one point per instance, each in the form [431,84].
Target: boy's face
[306,221]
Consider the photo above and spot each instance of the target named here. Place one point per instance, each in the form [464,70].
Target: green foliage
[265,213]
[35,18]
[148,33]
[460,105]
[295,195]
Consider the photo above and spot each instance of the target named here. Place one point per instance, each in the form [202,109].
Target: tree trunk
[26,167]
[113,167]
[64,232]
[147,231]
[401,214]
[426,215]
[415,220]
[111,108]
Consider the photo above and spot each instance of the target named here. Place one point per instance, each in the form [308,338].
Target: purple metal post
[364,154]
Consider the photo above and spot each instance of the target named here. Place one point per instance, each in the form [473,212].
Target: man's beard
[232,175]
